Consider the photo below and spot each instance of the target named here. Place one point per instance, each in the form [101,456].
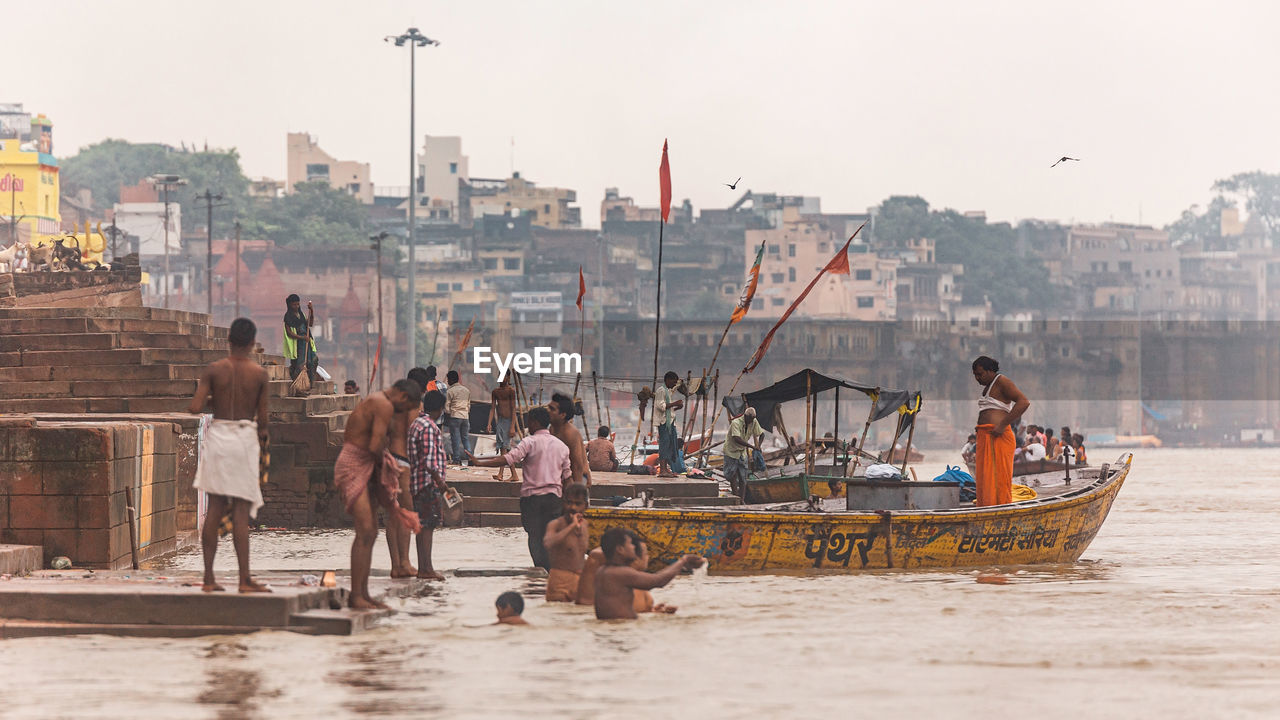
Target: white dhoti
[228,462]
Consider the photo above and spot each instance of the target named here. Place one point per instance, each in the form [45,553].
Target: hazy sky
[964,103]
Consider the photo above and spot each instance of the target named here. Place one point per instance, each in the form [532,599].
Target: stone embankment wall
[100,288]
[62,487]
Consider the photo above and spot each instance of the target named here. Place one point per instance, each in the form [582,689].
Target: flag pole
[657,323]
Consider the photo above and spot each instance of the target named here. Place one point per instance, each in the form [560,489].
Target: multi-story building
[549,207]
[442,171]
[28,175]
[1123,268]
[309,163]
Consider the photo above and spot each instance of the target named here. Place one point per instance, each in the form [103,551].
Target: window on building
[791,250]
[475,284]
[1147,272]
[546,209]
[354,188]
[866,301]
[862,274]
[317,171]
[453,168]
[491,263]
[442,287]
[1022,351]
[1126,266]
[822,247]
[973,322]
[775,249]
[777,302]
[791,274]
[511,263]
[1066,351]
[457,287]
[776,277]
[177,282]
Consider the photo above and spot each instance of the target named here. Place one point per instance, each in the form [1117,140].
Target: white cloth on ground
[228,462]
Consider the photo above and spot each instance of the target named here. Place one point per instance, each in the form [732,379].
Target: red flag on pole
[582,287]
[466,339]
[664,183]
[838,265]
[748,290]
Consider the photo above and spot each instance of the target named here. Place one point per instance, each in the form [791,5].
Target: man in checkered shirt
[426,476]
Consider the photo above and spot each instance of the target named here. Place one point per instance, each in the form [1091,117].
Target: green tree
[314,215]
[1197,227]
[1261,192]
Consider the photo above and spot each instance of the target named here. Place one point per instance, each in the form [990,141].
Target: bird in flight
[1064,158]
[734,186]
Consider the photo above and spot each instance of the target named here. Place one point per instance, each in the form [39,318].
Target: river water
[1174,612]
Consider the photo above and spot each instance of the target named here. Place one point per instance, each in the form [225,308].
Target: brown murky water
[1173,612]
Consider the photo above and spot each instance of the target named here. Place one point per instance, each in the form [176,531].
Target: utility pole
[414,39]
[237,268]
[165,182]
[376,246]
[208,198]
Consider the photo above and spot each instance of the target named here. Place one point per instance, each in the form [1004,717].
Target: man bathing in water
[616,581]
[643,601]
[510,607]
[398,539]
[228,472]
[999,407]
[566,543]
[365,471]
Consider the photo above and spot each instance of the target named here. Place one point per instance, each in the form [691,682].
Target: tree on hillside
[1194,226]
[313,215]
[1261,192]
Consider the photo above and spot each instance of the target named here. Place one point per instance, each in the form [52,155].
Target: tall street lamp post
[413,39]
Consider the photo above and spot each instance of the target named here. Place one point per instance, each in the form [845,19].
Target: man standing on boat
[1000,405]
[743,430]
[667,403]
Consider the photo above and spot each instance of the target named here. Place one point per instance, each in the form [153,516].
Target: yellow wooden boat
[1055,527]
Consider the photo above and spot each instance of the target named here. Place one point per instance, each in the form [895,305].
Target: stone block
[21,478]
[94,512]
[164,525]
[75,478]
[166,437]
[85,443]
[22,445]
[61,341]
[107,404]
[35,389]
[125,440]
[118,545]
[59,542]
[42,511]
[163,496]
[21,536]
[10,359]
[93,547]
[4,511]
[117,509]
[164,468]
[124,472]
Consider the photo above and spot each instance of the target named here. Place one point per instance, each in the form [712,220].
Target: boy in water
[510,607]
[587,579]
[566,543]
[617,580]
[643,601]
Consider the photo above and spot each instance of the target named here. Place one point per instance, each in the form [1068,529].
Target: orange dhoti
[994,463]
[562,585]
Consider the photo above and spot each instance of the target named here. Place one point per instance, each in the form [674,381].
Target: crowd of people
[397,447]
[1034,442]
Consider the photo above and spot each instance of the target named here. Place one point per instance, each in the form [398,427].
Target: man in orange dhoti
[999,407]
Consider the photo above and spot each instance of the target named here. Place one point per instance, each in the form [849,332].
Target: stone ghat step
[109,341]
[14,629]
[129,603]
[283,409]
[123,356]
[492,519]
[130,388]
[132,313]
[46,326]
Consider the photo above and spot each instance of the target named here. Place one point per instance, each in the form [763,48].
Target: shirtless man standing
[561,409]
[365,471]
[502,409]
[617,580]
[228,471]
[398,540]
[566,543]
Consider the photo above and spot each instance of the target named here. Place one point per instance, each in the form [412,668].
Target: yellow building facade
[29,183]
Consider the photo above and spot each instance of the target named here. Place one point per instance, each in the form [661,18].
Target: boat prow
[1055,527]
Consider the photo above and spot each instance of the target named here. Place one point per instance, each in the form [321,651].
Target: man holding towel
[236,388]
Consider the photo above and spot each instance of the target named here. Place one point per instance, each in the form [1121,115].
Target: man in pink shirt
[545,461]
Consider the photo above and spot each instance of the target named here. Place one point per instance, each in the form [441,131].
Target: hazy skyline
[965,104]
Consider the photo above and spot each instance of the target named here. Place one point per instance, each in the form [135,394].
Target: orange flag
[582,288]
[749,291]
[664,183]
[466,339]
[838,265]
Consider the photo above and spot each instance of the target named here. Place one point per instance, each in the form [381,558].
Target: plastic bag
[323,375]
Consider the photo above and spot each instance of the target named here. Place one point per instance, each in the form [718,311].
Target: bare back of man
[578,468]
[504,401]
[373,410]
[398,537]
[235,389]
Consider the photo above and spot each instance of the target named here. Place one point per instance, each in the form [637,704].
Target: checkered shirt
[426,451]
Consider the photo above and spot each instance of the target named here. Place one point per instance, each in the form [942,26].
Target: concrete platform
[76,602]
[20,559]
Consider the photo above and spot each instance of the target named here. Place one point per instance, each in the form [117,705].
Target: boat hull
[1032,467]
[1045,530]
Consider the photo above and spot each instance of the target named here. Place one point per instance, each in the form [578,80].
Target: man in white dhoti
[236,389]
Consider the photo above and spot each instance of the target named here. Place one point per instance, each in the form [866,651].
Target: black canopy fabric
[766,400]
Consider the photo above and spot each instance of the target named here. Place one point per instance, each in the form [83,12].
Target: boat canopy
[765,400]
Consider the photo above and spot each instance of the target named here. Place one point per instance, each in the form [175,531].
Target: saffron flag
[582,288]
[838,265]
[376,356]
[466,339]
[749,290]
[664,183]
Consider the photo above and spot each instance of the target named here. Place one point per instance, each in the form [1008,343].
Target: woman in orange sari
[1000,406]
